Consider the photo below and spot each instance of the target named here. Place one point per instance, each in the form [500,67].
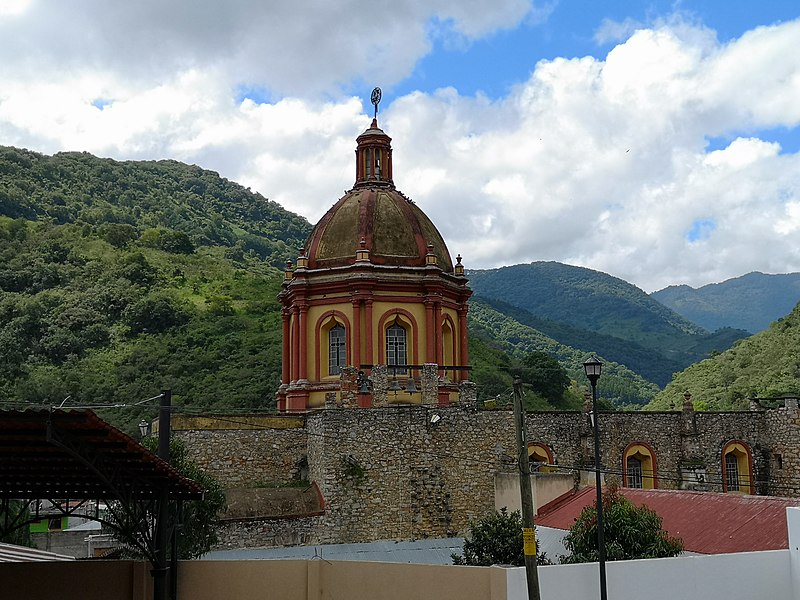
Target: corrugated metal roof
[424,552]
[75,454]
[12,553]
[707,522]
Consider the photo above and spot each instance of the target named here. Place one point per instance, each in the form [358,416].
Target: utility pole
[161,568]
[526,496]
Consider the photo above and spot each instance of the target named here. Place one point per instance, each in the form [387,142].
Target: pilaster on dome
[374,157]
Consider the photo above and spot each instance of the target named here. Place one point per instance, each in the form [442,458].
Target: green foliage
[199,517]
[131,289]
[630,532]
[595,313]
[750,302]
[496,539]
[165,204]
[18,512]
[762,366]
[545,376]
[619,385]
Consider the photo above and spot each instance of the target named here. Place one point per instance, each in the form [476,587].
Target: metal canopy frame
[67,456]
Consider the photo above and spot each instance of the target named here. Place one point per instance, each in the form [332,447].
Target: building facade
[377,414]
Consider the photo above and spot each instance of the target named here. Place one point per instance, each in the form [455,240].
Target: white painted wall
[746,575]
[793,524]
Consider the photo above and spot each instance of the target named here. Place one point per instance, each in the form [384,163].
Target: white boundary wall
[751,575]
[772,575]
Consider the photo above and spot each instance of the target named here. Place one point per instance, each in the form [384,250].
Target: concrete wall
[306,580]
[721,577]
[718,577]
[545,487]
[76,580]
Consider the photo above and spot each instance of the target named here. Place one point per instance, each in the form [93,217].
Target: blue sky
[656,141]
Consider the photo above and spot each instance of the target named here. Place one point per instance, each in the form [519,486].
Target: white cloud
[597,162]
[603,163]
[284,46]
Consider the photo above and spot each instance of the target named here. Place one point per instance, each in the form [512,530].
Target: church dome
[376,217]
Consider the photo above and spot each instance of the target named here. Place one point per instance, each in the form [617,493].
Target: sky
[655,141]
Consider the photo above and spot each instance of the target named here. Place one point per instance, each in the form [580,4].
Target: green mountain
[595,312]
[765,365]
[121,278]
[619,385]
[118,279]
[750,302]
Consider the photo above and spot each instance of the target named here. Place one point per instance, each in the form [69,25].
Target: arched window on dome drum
[448,343]
[396,348]
[337,349]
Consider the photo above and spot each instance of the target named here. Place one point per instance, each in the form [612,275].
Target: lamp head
[592,367]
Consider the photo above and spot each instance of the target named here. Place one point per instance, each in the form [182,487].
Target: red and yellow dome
[376,217]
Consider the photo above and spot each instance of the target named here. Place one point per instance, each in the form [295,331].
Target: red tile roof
[707,522]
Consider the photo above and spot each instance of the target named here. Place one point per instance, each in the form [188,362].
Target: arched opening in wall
[737,468]
[540,458]
[396,347]
[301,471]
[448,342]
[639,467]
[332,346]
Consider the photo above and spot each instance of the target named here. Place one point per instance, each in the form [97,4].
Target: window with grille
[634,473]
[396,349]
[337,355]
[732,472]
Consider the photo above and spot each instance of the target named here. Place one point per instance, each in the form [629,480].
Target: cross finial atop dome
[374,152]
[375,98]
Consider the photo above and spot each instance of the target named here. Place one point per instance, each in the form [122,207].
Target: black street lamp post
[592,367]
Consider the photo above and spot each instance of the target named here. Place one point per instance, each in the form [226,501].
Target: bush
[495,539]
[630,532]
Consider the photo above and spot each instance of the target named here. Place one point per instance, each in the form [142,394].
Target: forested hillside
[762,366]
[595,312]
[118,279]
[749,302]
[619,385]
[153,203]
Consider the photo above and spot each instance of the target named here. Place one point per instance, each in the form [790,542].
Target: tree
[17,511]
[630,532]
[545,375]
[199,517]
[495,539]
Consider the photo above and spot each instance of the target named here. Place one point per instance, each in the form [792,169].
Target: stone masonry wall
[265,533]
[390,473]
[249,457]
[783,453]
